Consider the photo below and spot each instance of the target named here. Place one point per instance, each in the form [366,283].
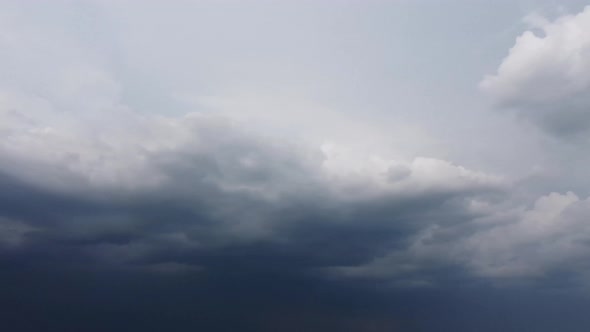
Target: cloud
[546,243]
[546,75]
[552,235]
[90,181]
[154,185]
[95,182]
[261,208]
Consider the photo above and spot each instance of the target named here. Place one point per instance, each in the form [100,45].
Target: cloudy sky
[278,165]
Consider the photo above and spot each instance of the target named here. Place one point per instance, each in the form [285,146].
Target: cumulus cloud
[546,75]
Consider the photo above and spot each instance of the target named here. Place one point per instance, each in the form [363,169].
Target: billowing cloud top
[545,76]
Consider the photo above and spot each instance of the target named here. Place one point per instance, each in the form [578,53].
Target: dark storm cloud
[198,193]
[184,190]
[115,219]
[71,300]
[211,206]
[236,233]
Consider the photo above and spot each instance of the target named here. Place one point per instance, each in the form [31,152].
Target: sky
[282,165]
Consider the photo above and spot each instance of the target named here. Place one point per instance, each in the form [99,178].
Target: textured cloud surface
[189,175]
[199,181]
[546,75]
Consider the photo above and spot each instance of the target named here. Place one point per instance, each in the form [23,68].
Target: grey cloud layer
[88,180]
[168,190]
[91,182]
[176,194]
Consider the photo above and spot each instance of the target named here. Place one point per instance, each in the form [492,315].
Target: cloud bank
[204,211]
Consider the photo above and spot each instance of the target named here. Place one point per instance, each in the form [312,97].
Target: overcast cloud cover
[294,166]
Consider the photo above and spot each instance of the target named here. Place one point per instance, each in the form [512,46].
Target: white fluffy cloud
[546,75]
